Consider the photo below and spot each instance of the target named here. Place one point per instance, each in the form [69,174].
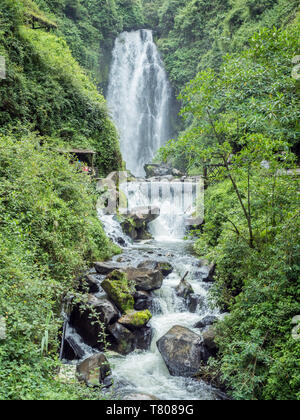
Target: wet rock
[93,370]
[89,323]
[209,341]
[122,340]
[135,319]
[143,338]
[144,279]
[177,173]
[67,374]
[184,289]
[117,288]
[89,284]
[182,351]
[208,272]
[158,170]
[222,396]
[167,178]
[113,177]
[206,321]
[195,302]
[108,381]
[72,350]
[142,300]
[135,224]
[102,185]
[164,267]
[105,268]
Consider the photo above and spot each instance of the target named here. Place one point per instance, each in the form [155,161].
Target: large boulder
[143,338]
[105,268]
[158,170]
[124,341]
[142,300]
[184,289]
[207,271]
[117,288]
[121,339]
[182,351]
[135,319]
[164,267]
[72,349]
[195,303]
[145,279]
[93,370]
[89,322]
[206,321]
[209,341]
[135,224]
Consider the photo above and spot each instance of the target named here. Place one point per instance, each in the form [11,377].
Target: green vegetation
[47,91]
[242,129]
[49,234]
[90,28]
[194,35]
[241,108]
[49,229]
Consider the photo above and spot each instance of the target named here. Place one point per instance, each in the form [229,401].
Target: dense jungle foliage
[243,127]
[194,35]
[91,26]
[50,234]
[49,229]
[46,91]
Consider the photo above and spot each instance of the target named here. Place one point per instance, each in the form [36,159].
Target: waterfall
[139,98]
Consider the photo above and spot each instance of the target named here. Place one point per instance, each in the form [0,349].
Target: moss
[136,319]
[141,318]
[117,287]
[165,268]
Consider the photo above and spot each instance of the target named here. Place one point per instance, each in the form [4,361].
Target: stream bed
[145,372]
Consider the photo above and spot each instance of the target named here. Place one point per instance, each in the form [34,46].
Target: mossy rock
[135,319]
[117,288]
[165,268]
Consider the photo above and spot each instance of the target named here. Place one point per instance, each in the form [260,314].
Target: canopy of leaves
[254,93]
[195,34]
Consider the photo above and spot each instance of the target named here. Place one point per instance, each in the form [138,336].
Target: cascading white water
[145,371]
[176,201]
[139,97]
